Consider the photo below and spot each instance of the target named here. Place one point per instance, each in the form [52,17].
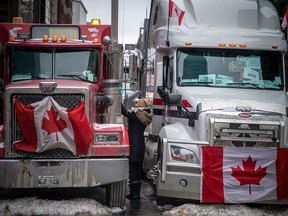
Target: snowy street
[90,202]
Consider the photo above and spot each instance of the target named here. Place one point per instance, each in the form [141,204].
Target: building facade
[43,11]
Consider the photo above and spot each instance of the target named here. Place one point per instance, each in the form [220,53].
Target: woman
[138,118]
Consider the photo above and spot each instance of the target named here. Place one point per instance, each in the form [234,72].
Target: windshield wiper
[245,84]
[206,83]
[74,76]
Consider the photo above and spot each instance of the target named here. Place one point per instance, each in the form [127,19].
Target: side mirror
[169,98]
[174,99]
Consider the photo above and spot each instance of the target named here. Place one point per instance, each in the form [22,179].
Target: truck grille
[258,131]
[68,101]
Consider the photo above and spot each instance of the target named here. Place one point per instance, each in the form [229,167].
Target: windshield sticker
[250,74]
[253,62]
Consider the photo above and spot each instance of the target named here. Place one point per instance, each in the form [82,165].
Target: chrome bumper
[171,187]
[62,173]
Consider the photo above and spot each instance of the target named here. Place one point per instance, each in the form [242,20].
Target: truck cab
[220,83]
[61,120]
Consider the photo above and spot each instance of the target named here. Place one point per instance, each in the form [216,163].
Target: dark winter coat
[136,133]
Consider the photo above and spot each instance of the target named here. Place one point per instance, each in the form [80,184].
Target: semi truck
[220,85]
[61,122]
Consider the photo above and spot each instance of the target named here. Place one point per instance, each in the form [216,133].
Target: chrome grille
[68,101]
[257,131]
[52,153]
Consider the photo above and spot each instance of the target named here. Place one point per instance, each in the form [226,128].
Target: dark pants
[135,174]
[135,171]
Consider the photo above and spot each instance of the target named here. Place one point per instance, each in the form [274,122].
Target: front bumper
[22,173]
[171,186]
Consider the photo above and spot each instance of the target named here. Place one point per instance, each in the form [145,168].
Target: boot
[138,189]
[134,191]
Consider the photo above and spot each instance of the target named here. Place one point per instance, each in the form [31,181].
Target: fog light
[183,183]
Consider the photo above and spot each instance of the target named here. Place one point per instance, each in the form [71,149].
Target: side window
[155,18]
[170,75]
[167,72]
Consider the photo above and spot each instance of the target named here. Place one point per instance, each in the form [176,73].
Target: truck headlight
[107,138]
[183,154]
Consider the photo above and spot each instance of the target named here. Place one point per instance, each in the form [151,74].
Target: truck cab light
[54,38]
[188,44]
[96,22]
[242,45]
[45,38]
[232,45]
[222,45]
[95,40]
[63,38]
[17,20]
[274,47]
[12,39]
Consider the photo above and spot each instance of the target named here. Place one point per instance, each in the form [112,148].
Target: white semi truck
[219,81]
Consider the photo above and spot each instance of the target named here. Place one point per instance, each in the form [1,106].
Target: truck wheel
[116,194]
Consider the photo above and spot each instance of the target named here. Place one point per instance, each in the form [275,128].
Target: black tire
[116,194]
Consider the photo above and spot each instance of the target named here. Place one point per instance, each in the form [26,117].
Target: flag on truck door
[176,12]
[241,175]
[46,125]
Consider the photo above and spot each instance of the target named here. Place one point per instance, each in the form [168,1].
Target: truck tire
[116,194]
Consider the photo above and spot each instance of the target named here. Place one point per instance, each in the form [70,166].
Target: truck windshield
[230,68]
[29,63]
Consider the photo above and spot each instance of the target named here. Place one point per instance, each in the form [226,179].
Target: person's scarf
[143,116]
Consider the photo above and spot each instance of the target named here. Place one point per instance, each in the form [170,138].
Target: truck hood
[223,98]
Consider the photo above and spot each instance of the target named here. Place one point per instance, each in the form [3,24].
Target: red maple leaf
[52,125]
[249,175]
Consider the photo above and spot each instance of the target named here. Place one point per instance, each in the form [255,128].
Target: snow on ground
[89,207]
[33,206]
[225,210]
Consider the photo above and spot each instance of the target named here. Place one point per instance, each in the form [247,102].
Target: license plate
[48,181]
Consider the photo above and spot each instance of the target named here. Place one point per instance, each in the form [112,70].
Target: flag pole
[168,25]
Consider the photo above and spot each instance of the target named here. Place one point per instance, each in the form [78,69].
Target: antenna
[168,25]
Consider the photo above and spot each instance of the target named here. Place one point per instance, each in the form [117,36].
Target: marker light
[95,40]
[54,38]
[222,45]
[63,38]
[12,39]
[274,47]
[242,45]
[188,44]
[232,45]
[96,22]
[17,20]
[45,38]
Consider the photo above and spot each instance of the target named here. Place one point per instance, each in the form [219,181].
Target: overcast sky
[134,13]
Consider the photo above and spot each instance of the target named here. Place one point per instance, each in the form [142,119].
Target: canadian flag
[175,12]
[285,20]
[242,175]
[46,125]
